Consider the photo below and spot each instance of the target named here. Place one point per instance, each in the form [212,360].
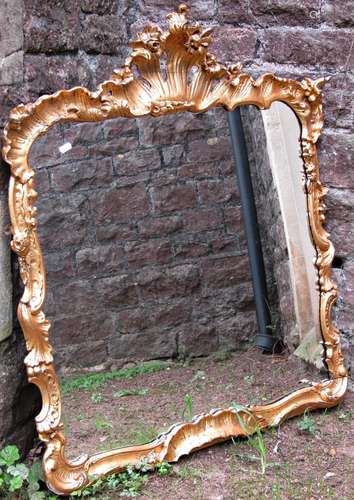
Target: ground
[307,457]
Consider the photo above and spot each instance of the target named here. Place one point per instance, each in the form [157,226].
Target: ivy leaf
[9,455]
[19,470]
[38,495]
[35,473]
[15,483]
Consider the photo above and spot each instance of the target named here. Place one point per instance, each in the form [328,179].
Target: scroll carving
[176,72]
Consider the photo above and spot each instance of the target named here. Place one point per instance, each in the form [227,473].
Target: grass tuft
[93,380]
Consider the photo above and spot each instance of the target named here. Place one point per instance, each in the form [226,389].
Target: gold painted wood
[183,48]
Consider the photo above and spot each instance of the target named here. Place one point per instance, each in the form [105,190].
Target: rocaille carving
[192,80]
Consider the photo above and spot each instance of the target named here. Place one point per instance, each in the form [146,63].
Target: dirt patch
[310,463]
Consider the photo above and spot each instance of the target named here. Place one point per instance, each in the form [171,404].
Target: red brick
[218,191]
[203,220]
[174,197]
[100,259]
[122,204]
[139,253]
[310,46]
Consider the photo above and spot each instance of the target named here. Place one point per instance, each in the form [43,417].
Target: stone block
[237,332]
[142,253]
[100,7]
[335,153]
[93,261]
[177,281]
[225,272]
[235,44]
[116,292]
[160,226]
[82,329]
[11,41]
[85,174]
[174,197]
[144,345]
[135,162]
[218,191]
[55,30]
[104,34]
[266,13]
[125,204]
[306,47]
[197,340]
[203,220]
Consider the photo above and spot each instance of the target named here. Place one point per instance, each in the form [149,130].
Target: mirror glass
[149,289]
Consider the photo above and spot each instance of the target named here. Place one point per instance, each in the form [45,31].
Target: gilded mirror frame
[184,46]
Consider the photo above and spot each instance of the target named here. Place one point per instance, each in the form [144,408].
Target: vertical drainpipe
[264,339]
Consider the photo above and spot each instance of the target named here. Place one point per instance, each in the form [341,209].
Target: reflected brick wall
[141,229]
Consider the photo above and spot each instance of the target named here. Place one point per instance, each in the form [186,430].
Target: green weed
[307,424]
[186,472]
[102,425]
[93,380]
[130,392]
[96,397]
[256,441]
[17,480]
[187,413]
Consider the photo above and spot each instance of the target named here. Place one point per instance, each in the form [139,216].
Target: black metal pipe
[264,338]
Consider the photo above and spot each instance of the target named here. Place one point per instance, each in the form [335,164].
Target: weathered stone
[188,249]
[174,197]
[158,226]
[271,12]
[304,47]
[338,13]
[101,259]
[155,316]
[82,355]
[82,175]
[139,253]
[336,152]
[225,272]
[145,345]
[235,44]
[218,191]
[237,332]
[82,329]
[203,220]
[215,148]
[100,35]
[117,291]
[173,155]
[164,130]
[133,162]
[5,273]
[116,232]
[197,340]
[198,170]
[58,266]
[122,204]
[56,31]
[178,281]
[68,216]
[11,41]
[45,75]
[100,7]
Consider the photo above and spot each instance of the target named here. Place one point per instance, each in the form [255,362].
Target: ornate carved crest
[167,72]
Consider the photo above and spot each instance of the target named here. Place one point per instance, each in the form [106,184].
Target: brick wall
[71,42]
[141,230]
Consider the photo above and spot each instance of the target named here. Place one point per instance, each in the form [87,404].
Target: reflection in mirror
[149,287]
